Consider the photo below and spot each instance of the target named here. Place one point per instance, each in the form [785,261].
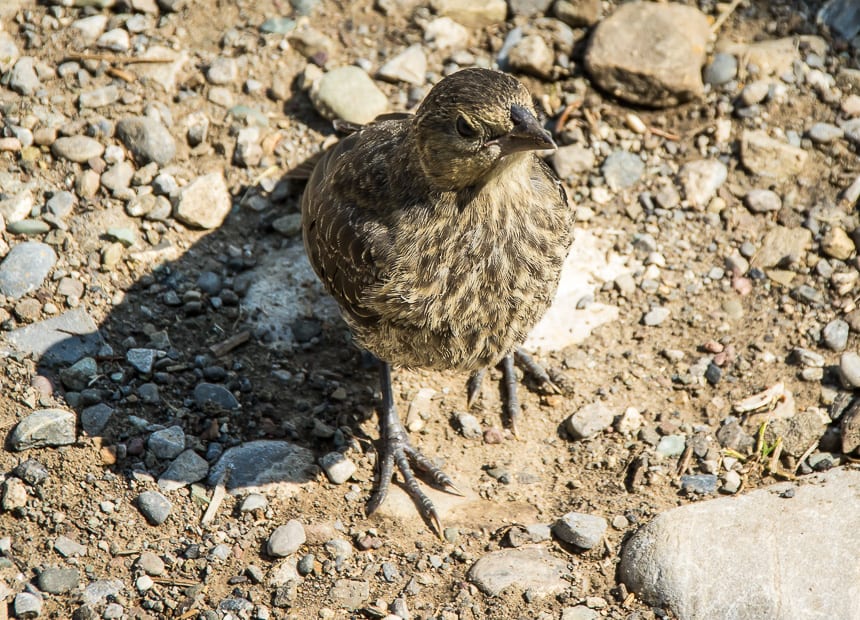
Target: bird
[441,235]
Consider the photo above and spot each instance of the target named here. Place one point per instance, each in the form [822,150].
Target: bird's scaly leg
[509,383]
[396,450]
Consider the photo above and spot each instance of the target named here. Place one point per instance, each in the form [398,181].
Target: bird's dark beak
[527,134]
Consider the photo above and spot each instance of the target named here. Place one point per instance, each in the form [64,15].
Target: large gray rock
[769,554]
[25,267]
[265,465]
[525,568]
[649,53]
[46,427]
[148,139]
[60,340]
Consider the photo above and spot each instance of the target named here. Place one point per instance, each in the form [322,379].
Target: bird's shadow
[235,310]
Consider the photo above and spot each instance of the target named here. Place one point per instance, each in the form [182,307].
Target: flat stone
[446,34]
[118,176]
[649,53]
[701,180]
[208,394]
[264,466]
[825,133]
[95,418]
[55,580]
[9,52]
[835,335]
[782,246]
[350,94]
[589,420]
[671,446]
[205,202]
[572,160]
[583,530]
[43,428]
[655,316]
[148,139]
[151,564]
[99,97]
[529,8]
[622,169]
[32,472]
[472,13]
[577,13]
[27,605]
[286,539]
[762,201]
[163,74]
[167,443]
[141,359]
[17,207]
[769,157]
[337,467]
[350,593]
[755,92]
[527,569]
[408,66]
[722,69]
[25,267]
[770,533]
[67,547]
[78,376]
[532,55]
[23,78]
[61,340]
[116,40]
[61,203]
[92,27]
[99,591]
[836,243]
[849,369]
[154,507]
[78,149]
[187,468]
[14,495]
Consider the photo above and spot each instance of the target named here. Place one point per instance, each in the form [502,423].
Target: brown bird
[441,236]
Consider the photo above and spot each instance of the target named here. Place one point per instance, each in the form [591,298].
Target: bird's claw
[398,451]
[509,383]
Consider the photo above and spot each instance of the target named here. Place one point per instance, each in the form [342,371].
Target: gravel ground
[188,429]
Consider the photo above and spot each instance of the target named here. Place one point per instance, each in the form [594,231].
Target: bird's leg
[509,383]
[396,450]
[535,370]
[473,386]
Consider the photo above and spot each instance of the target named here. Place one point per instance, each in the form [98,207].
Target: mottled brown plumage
[441,236]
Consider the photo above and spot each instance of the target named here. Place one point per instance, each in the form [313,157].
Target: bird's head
[472,121]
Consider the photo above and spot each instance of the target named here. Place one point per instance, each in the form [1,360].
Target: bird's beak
[527,134]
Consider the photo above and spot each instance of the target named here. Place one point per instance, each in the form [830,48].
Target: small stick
[725,15]
[805,455]
[664,134]
[217,497]
[231,343]
[684,461]
[121,60]
[565,114]
[122,74]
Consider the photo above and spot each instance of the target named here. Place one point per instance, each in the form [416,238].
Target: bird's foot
[509,383]
[397,450]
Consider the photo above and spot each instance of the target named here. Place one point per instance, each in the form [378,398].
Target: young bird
[441,236]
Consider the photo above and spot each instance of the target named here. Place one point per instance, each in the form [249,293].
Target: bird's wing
[342,242]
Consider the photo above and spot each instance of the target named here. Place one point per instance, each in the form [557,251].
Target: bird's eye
[465,129]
